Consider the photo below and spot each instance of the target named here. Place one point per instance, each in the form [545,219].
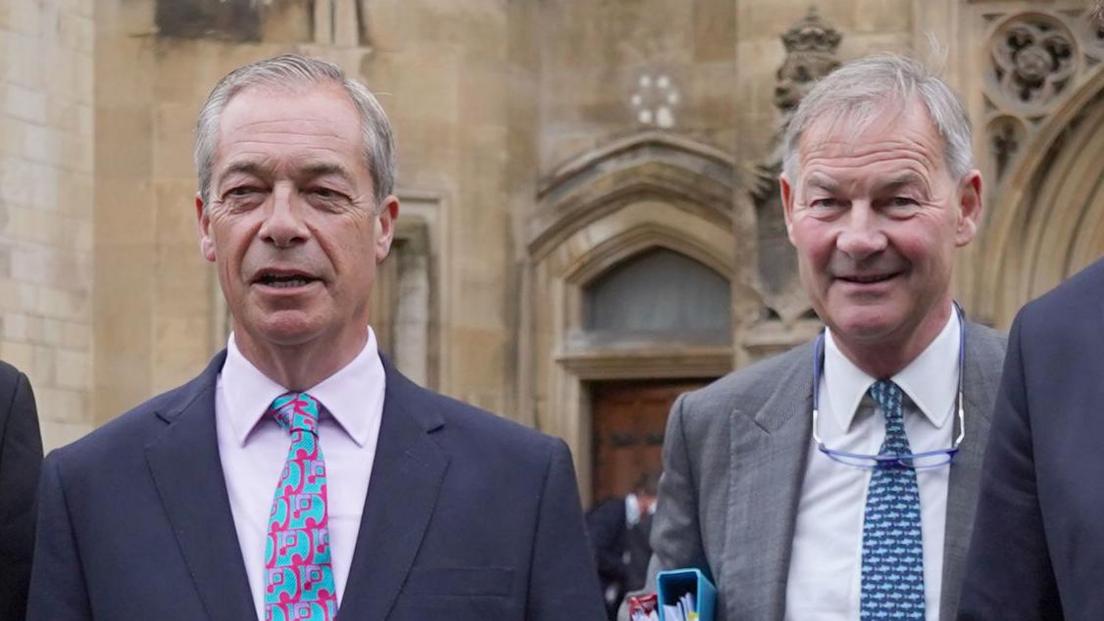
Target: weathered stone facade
[46,181]
[541,145]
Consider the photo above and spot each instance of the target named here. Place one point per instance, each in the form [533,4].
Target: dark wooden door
[629,418]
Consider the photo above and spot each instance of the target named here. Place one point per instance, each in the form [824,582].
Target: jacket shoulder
[129,431]
[748,389]
[471,428]
[1075,298]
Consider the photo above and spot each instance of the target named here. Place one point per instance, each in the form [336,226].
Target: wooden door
[629,418]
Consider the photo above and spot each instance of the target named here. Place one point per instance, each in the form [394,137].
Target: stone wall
[493,103]
[46,180]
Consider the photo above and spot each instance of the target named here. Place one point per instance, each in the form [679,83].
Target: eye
[243,196]
[240,191]
[903,201]
[327,194]
[826,203]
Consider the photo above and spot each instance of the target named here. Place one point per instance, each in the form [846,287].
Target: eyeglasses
[915,461]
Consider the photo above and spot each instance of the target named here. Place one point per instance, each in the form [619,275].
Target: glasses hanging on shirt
[916,461]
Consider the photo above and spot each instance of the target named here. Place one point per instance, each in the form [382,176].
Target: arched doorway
[648,205]
[1050,223]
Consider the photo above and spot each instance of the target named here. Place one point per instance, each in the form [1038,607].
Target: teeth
[869,279]
[284,283]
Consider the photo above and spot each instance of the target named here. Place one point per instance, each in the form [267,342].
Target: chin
[866,323]
[287,328]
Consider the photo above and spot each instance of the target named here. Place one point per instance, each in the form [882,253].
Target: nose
[862,234]
[284,225]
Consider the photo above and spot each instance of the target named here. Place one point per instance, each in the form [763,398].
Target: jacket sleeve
[1008,574]
[563,582]
[20,464]
[606,533]
[676,535]
[58,589]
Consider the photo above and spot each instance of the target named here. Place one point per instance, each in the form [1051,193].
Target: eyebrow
[246,168]
[309,171]
[822,182]
[323,169]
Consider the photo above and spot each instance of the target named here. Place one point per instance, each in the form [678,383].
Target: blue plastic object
[674,583]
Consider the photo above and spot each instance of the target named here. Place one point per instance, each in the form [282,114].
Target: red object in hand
[643,607]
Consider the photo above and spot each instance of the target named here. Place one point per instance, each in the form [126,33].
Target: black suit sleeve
[20,462]
[606,527]
[1008,573]
[563,583]
[58,590]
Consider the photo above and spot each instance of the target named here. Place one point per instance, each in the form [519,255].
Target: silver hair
[862,89]
[290,72]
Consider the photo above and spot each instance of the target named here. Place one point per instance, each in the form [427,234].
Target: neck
[300,367]
[885,357]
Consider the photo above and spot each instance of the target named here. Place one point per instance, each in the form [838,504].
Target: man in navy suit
[1038,546]
[20,461]
[301,476]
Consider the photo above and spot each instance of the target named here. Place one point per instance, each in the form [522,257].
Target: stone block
[56,434]
[72,370]
[24,103]
[17,354]
[62,303]
[14,188]
[128,152]
[15,327]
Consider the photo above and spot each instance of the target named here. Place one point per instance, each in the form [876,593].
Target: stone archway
[645,192]
[1049,222]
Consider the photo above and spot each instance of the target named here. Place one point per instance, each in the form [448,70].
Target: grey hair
[289,72]
[861,89]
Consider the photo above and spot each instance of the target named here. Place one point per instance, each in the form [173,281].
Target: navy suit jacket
[468,517]
[1038,544]
[20,460]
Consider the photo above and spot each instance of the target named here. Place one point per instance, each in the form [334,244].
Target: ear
[385,226]
[787,190]
[969,208]
[203,225]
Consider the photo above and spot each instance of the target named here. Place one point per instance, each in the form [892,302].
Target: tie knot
[296,411]
[888,397]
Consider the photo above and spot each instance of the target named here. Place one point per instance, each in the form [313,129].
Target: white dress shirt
[253,449]
[825,575]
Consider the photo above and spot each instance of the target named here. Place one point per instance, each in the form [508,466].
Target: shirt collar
[930,380]
[352,396]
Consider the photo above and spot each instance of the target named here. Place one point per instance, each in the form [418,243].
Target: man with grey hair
[301,476]
[837,481]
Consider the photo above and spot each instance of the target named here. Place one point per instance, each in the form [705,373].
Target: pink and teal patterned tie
[299,582]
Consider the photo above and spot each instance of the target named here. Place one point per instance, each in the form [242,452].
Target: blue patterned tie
[892,550]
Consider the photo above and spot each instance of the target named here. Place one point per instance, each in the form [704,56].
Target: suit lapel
[187,471]
[407,473]
[769,449]
[984,353]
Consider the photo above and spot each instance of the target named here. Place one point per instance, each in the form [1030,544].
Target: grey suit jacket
[734,460]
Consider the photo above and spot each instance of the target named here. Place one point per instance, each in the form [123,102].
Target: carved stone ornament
[1006,135]
[811,46]
[1034,57]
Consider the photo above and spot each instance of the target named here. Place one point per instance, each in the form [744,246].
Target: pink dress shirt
[253,449]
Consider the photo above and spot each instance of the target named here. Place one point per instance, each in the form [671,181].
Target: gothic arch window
[658,296]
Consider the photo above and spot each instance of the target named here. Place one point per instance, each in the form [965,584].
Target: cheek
[814,242]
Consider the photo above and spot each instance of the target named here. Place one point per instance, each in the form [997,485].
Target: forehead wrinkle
[825,159]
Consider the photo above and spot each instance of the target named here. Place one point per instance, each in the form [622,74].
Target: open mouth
[284,280]
[868,279]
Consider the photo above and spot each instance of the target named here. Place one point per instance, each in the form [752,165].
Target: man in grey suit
[852,495]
